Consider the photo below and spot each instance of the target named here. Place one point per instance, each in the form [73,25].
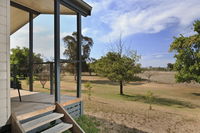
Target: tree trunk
[90,72]
[150,107]
[121,88]
[75,76]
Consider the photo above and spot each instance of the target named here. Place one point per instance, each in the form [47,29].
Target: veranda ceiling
[19,18]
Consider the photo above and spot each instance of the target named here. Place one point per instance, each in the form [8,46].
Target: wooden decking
[33,102]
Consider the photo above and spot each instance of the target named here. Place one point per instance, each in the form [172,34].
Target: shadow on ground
[196,94]
[103,82]
[74,91]
[112,127]
[160,101]
[136,83]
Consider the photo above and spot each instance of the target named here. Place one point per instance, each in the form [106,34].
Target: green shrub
[89,125]
[149,98]
[88,86]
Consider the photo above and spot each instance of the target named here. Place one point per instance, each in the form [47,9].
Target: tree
[170,66]
[71,49]
[117,68]
[44,75]
[149,74]
[88,86]
[90,63]
[120,65]
[187,56]
[19,57]
[149,98]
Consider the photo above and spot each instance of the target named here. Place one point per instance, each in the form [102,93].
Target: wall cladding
[4,61]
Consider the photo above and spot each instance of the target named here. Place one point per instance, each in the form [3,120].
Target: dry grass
[176,107]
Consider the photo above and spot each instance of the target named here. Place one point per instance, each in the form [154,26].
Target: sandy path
[14,93]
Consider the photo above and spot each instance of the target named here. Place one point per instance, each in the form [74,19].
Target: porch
[36,103]
[23,12]
[14,15]
[36,111]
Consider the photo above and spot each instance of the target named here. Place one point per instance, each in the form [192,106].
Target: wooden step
[28,126]
[58,128]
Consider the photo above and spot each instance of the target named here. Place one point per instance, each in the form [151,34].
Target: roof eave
[86,6]
[79,6]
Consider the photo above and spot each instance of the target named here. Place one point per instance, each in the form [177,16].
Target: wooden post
[57,49]
[30,51]
[79,61]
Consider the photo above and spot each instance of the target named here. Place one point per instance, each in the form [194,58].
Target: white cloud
[156,62]
[99,5]
[85,31]
[144,16]
[160,55]
[43,40]
[157,59]
[20,38]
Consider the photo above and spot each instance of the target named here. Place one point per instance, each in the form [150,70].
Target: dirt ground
[133,117]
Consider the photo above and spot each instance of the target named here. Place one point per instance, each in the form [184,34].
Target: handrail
[16,127]
[68,119]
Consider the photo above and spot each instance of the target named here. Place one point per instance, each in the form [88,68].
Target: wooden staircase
[57,121]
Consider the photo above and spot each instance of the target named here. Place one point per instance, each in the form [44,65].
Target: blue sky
[147,26]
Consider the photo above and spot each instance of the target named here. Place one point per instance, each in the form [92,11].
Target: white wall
[4,61]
